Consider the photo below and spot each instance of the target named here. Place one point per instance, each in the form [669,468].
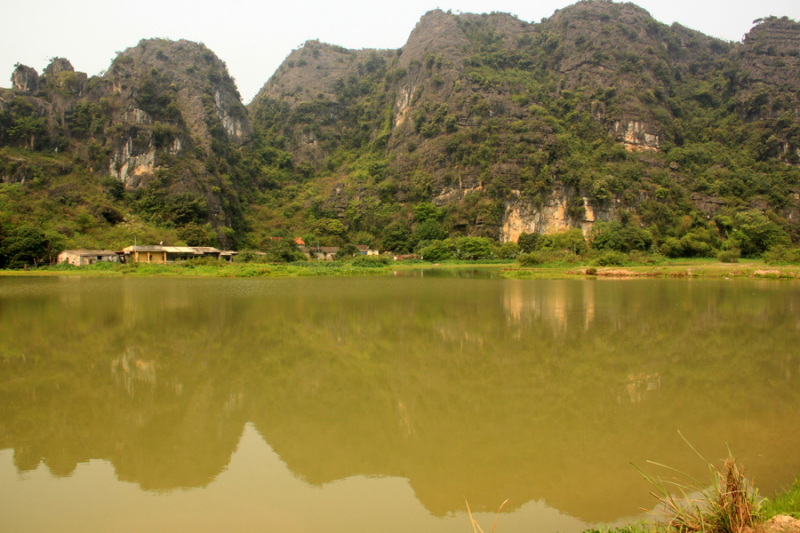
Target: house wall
[151,257]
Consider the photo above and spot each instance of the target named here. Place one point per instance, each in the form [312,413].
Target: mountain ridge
[506,127]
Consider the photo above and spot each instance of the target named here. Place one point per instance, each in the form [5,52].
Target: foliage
[372,261]
[529,259]
[29,246]
[609,258]
[528,242]
[619,237]
[347,251]
[439,250]
[729,256]
[784,503]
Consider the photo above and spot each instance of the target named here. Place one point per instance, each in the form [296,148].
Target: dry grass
[728,505]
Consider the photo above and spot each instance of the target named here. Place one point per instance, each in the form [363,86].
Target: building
[163,254]
[366,250]
[87,257]
[180,253]
[146,254]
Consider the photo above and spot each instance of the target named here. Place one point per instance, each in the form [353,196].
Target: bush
[729,256]
[439,251]
[528,242]
[530,259]
[348,250]
[781,254]
[610,258]
[473,248]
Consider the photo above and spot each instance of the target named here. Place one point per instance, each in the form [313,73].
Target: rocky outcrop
[637,135]
[552,216]
[25,79]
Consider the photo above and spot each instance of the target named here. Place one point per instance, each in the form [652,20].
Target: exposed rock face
[25,79]
[130,162]
[636,135]
[553,216]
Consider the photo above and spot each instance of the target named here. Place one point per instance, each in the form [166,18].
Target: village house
[180,253]
[146,254]
[87,257]
[320,253]
[164,254]
[366,250]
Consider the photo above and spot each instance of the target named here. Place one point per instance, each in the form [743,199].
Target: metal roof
[89,252]
[180,250]
[155,248]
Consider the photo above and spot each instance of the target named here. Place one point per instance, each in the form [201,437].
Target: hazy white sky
[254,37]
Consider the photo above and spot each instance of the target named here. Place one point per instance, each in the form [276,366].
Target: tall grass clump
[728,505]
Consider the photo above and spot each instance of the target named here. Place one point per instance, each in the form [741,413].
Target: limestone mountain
[480,125]
[162,122]
[514,126]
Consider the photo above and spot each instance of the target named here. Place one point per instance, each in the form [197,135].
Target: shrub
[530,259]
[781,254]
[610,258]
[528,242]
[729,256]
[439,251]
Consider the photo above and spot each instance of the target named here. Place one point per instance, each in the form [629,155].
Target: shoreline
[687,269]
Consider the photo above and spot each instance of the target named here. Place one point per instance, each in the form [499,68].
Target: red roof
[299,241]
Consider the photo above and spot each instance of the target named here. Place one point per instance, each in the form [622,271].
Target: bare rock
[25,78]
[778,524]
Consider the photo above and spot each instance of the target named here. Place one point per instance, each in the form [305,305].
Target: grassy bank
[682,268]
[679,268]
[718,514]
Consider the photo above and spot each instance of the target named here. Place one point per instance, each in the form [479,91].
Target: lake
[382,403]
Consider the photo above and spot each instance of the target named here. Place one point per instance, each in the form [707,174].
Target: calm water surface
[380,404]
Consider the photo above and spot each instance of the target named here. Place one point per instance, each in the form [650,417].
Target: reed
[728,505]
[475,526]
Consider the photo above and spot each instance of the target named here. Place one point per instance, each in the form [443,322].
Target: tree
[425,211]
[195,235]
[329,226]
[346,251]
[439,250]
[30,246]
[620,237]
[473,248]
[755,233]
[396,238]
[430,230]
[528,242]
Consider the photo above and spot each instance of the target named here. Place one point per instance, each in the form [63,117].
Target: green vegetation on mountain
[643,136]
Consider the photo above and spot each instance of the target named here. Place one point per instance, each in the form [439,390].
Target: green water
[381,403]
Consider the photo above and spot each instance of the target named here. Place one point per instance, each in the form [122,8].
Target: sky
[254,37]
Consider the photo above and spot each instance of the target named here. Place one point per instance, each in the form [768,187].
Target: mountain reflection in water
[535,391]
